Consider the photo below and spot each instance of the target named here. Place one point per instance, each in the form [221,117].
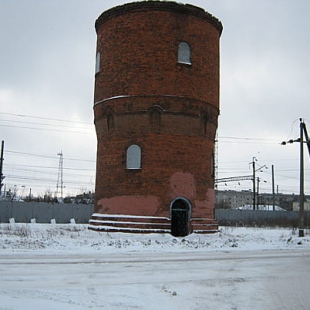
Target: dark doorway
[180,209]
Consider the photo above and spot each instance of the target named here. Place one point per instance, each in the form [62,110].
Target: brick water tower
[156,106]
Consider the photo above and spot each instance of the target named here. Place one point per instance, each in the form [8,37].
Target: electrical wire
[47,156]
[46,129]
[44,124]
[47,167]
[45,118]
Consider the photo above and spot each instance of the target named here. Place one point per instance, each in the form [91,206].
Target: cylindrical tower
[156,106]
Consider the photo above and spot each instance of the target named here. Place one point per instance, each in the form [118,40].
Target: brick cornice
[143,6]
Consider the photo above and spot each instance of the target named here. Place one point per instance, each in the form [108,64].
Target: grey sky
[47,61]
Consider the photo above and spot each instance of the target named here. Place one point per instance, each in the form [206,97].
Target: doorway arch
[180,214]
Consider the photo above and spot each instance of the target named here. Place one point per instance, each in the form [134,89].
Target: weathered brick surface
[144,96]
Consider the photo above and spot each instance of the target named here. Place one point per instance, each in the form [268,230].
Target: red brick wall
[139,71]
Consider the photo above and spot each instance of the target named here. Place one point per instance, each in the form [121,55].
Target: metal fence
[229,217]
[42,212]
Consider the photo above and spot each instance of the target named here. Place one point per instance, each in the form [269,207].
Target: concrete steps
[204,225]
[146,224]
[129,223]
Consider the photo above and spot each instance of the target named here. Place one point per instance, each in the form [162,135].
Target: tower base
[146,224]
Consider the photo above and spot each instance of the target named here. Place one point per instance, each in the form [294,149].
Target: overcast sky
[47,63]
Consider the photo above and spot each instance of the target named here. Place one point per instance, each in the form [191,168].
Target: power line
[47,156]
[249,138]
[42,124]
[31,178]
[46,129]
[30,154]
[45,167]
[241,139]
[45,118]
[34,125]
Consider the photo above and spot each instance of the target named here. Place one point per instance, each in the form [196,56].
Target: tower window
[133,157]
[97,63]
[184,53]
[108,114]
[155,117]
[110,121]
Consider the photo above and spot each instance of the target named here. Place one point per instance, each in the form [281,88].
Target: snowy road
[272,279]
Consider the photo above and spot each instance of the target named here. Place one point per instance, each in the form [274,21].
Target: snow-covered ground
[74,238]
[54,266]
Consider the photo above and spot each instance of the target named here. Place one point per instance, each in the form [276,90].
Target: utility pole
[258,180]
[254,190]
[307,138]
[1,167]
[60,176]
[255,201]
[301,194]
[273,194]
[303,130]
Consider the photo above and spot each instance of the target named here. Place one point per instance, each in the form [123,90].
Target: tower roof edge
[158,6]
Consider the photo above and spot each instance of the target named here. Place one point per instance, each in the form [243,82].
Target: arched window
[110,121]
[108,114]
[133,157]
[184,53]
[155,117]
[97,63]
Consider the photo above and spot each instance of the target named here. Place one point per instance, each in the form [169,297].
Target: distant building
[296,206]
[156,106]
[231,199]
